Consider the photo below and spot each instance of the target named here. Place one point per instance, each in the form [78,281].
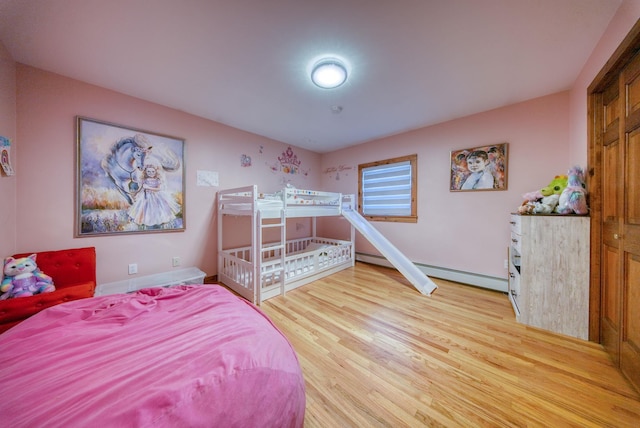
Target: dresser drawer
[516,225]
[516,242]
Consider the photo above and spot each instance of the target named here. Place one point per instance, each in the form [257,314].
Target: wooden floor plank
[377,353]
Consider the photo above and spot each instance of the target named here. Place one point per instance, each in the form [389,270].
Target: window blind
[386,189]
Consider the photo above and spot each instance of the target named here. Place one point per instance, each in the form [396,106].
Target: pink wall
[46,108]
[624,19]
[8,130]
[466,231]
[463,231]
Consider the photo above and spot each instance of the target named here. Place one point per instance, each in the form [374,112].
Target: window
[387,189]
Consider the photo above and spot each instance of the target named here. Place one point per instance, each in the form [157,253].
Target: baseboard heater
[477,280]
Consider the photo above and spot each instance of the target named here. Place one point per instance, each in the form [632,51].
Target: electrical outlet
[175,261]
[506,264]
[133,268]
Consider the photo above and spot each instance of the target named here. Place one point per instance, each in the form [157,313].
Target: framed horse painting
[128,180]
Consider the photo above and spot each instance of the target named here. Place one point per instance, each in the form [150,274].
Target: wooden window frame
[413,217]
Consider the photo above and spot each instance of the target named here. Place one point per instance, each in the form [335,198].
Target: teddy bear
[22,277]
[545,200]
[574,197]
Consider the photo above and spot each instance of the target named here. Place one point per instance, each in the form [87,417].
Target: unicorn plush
[573,198]
[22,278]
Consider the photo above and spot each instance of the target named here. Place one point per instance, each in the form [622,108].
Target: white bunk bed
[266,269]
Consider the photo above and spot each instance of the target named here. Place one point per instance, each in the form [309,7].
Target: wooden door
[629,222]
[614,156]
[612,180]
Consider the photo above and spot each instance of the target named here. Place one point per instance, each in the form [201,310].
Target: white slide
[419,280]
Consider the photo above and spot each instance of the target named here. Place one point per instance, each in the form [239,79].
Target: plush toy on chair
[22,278]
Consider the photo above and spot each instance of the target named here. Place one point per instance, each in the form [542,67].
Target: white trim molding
[478,280]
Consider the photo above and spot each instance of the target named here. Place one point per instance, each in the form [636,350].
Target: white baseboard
[484,281]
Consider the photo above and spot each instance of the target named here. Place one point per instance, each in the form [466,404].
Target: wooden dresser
[549,272]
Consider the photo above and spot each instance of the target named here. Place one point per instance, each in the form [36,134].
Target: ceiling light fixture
[329,73]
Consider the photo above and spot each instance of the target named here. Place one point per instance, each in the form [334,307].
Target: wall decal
[288,163]
[207,178]
[336,171]
[5,156]
[245,161]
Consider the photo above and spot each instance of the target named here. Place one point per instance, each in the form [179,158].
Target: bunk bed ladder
[281,249]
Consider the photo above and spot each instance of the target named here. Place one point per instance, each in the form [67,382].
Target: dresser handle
[616,236]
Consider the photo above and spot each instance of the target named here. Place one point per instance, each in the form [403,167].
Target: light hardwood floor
[377,353]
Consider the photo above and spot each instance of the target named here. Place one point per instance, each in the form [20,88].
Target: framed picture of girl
[128,180]
[479,168]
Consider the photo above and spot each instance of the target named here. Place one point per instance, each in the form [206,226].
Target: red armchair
[74,275]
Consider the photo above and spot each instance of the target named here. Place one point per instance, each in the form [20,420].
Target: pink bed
[191,356]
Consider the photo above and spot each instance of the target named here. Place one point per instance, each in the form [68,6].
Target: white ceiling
[245,63]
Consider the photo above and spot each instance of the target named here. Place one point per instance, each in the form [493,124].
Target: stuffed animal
[574,197]
[529,202]
[535,203]
[556,186]
[546,205]
[22,277]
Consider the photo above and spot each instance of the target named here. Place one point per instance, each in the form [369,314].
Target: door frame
[627,49]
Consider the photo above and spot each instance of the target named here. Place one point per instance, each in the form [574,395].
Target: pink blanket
[192,356]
